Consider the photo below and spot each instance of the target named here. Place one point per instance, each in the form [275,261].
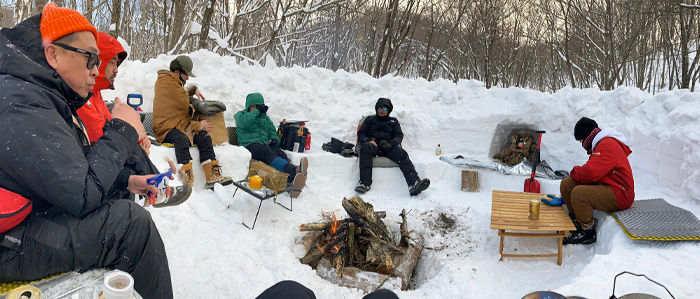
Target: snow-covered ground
[212,255]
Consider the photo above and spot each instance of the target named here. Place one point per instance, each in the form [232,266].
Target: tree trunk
[206,24]
[116,17]
[178,23]
[387,33]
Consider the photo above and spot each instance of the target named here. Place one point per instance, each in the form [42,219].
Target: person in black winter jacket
[381,135]
[79,220]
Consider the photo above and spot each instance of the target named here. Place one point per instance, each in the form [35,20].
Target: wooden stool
[509,211]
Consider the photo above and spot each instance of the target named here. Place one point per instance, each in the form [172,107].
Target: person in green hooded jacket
[258,135]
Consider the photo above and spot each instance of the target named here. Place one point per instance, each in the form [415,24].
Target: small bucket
[118,285]
[255,182]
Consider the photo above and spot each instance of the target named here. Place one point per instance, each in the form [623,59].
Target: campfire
[359,251]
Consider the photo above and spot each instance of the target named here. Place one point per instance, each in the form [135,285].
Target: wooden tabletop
[509,211]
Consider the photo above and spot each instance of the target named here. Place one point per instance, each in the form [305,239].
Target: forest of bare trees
[538,44]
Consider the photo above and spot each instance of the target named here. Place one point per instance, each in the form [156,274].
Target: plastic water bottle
[438,151]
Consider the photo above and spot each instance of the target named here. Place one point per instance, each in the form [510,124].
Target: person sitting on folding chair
[258,135]
[381,135]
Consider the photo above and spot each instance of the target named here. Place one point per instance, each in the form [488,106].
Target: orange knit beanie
[57,22]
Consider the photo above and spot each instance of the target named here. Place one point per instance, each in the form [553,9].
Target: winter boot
[180,195]
[212,171]
[575,221]
[362,188]
[418,187]
[185,174]
[303,167]
[582,236]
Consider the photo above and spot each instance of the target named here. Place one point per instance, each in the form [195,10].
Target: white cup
[118,285]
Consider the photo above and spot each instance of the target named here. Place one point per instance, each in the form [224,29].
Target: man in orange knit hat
[79,221]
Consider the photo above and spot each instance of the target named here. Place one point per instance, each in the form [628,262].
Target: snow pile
[210,251]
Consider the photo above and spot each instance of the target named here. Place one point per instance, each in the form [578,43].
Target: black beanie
[584,127]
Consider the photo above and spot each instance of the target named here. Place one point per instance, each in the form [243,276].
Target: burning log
[314,226]
[364,213]
[306,242]
[359,251]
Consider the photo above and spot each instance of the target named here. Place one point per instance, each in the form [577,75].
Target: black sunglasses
[93,59]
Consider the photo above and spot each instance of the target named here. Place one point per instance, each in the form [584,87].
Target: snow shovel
[532,185]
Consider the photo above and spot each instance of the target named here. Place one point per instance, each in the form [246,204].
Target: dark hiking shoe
[362,188]
[182,194]
[575,221]
[299,183]
[582,236]
[418,187]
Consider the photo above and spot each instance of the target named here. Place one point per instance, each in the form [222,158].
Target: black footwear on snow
[362,188]
[181,194]
[418,187]
[582,236]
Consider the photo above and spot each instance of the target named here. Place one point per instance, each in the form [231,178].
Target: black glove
[262,109]
[273,142]
[385,145]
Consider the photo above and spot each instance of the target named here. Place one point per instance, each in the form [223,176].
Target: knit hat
[183,63]
[584,127]
[57,22]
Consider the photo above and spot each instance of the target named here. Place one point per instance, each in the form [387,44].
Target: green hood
[254,99]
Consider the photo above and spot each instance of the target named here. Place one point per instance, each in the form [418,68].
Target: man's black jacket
[42,152]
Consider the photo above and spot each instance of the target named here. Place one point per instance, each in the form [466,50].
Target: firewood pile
[359,251]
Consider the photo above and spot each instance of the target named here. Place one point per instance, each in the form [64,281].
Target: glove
[385,145]
[262,109]
[552,200]
[273,143]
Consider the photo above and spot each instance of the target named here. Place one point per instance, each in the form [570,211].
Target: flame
[319,247]
[335,225]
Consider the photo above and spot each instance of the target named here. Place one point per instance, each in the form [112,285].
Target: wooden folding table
[509,215]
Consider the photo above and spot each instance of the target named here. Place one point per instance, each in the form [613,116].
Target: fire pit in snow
[359,252]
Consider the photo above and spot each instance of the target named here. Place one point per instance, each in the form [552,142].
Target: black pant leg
[262,152]
[287,289]
[182,145]
[204,144]
[400,156]
[280,153]
[118,235]
[367,153]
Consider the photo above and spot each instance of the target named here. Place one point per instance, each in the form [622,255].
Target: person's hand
[199,94]
[552,200]
[207,126]
[129,115]
[146,145]
[272,143]
[385,145]
[262,109]
[138,184]
[372,142]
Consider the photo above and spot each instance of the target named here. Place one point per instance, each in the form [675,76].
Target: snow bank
[211,252]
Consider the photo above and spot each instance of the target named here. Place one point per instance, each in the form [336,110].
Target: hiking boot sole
[422,185]
[304,166]
[298,183]
[179,198]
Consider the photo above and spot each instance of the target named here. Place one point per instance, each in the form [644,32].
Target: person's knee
[287,289]
[131,212]
[381,294]
[566,185]
[580,193]
[368,149]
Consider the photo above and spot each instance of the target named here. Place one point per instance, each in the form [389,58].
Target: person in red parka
[95,113]
[604,183]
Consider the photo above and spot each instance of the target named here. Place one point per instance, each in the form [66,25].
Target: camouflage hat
[184,64]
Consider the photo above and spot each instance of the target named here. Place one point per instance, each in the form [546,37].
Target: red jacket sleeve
[94,114]
[600,163]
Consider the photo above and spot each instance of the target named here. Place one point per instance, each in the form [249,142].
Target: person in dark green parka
[258,135]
